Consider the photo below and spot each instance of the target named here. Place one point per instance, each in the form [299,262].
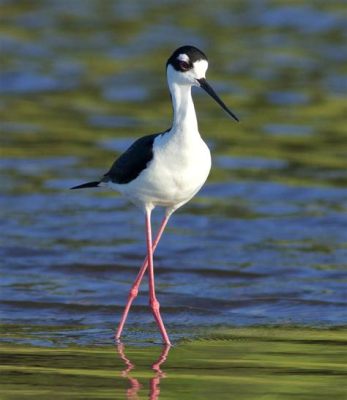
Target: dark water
[265,242]
[72,257]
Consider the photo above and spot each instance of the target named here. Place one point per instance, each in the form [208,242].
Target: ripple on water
[229,162]
[210,269]
[25,82]
[242,252]
[112,121]
[288,129]
[288,98]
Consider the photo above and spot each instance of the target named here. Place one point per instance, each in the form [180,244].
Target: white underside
[174,175]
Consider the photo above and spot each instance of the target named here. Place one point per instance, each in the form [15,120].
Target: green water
[251,274]
[259,363]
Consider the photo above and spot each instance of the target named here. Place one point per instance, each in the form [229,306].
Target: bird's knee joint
[154,305]
[133,292]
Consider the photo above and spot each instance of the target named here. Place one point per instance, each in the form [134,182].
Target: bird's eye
[184,65]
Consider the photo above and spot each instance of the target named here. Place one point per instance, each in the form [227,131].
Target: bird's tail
[87,185]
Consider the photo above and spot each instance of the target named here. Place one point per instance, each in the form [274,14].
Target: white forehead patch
[200,68]
[183,57]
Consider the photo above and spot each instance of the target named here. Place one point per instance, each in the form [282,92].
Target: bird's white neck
[184,119]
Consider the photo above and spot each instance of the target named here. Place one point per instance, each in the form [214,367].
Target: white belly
[173,176]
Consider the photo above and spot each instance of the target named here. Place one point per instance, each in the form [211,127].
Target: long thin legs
[154,303]
[135,287]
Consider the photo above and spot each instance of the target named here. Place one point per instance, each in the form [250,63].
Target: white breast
[174,175]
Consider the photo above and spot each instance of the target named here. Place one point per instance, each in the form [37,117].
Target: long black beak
[203,83]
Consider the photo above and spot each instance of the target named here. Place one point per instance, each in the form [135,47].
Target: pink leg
[154,303]
[135,287]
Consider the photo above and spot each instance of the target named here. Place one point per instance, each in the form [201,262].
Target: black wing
[134,160]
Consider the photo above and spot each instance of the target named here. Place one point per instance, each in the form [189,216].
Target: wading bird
[165,169]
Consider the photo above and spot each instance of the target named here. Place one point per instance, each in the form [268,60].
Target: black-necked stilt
[165,169]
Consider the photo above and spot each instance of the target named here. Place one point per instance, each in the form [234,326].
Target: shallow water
[241,363]
[264,242]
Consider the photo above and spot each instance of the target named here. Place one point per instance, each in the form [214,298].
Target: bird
[165,169]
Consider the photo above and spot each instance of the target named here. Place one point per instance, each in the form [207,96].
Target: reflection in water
[155,381]
[135,385]
[272,218]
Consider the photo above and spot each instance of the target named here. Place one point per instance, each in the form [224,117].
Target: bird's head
[187,66]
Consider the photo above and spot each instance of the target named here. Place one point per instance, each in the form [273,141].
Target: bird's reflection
[135,385]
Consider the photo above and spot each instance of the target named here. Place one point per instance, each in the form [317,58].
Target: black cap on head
[183,59]
[193,54]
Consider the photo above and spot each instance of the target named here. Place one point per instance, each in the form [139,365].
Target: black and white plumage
[166,169]
[129,165]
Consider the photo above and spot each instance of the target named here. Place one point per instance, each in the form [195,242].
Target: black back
[133,161]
